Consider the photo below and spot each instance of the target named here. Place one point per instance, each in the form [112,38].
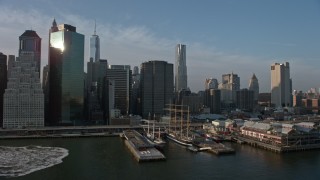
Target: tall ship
[154,135]
[179,124]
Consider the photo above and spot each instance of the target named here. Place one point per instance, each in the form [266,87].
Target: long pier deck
[141,149]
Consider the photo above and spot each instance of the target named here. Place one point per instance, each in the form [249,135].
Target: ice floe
[19,161]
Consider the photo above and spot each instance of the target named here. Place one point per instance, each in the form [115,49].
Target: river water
[109,158]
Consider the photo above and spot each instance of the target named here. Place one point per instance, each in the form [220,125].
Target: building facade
[181,78]
[3,82]
[212,99]
[95,46]
[122,77]
[211,83]
[281,85]
[156,87]
[229,85]
[31,42]
[245,99]
[254,86]
[24,98]
[66,77]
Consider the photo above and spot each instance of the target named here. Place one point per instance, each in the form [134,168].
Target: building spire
[95,27]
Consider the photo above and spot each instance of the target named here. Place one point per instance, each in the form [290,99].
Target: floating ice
[19,161]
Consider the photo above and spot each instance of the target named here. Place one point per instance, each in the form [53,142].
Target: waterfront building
[211,83]
[181,78]
[245,99]
[156,87]
[122,77]
[281,85]
[302,135]
[3,82]
[24,98]
[66,77]
[108,99]
[135,97]
[31,42]
[254,86]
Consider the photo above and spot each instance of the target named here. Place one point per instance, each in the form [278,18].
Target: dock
[213,147]
[141,149]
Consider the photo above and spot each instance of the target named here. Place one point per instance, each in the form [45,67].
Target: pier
[213,147]
[141,149]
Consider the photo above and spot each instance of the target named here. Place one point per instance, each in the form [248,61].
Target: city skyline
[222,37]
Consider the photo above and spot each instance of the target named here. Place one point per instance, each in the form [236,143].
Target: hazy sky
[222,36]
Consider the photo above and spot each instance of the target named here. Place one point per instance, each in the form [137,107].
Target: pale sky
[222,36]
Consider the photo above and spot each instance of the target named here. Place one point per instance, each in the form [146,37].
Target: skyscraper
[24,98]
[229,85]
[3,82]
[181,78]
[156,86]
[254,86]
[31,42]
[281,85]
[122,77]
[66,77]
[211,83]
[95,46]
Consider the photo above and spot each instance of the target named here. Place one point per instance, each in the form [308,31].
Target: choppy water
[108,158]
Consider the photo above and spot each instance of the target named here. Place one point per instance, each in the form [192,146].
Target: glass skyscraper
[95,46]
[66,77]
[181,81]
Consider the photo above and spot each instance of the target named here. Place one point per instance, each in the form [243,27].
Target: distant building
[211,83]
[229,85]
[264,99]
[24,98]
[254,86]
[212,99]
[245,99]
[31,42]
[11,62]
[281,85]
[156,87]
[3,82]
[66,77]
[122,77]
[135,97]
[95,46]
[181,78]
[297,99]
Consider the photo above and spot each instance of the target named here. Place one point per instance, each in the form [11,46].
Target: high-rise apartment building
[24,98]
[281,85]
[31,42]
[95,46]
[156,86]
[122,77]
[254,86]
[181,78]
[3,82]
[66,77]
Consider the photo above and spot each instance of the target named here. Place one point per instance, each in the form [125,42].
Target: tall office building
[24,98]
[245,99]
[229,85]
[281,85]
[156,87]
[95,46]
[181,78]
[66,77]
[254,86]
[11,61]
[211,83]
[3,82]
[31,42]
[122,77]
[212,99]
